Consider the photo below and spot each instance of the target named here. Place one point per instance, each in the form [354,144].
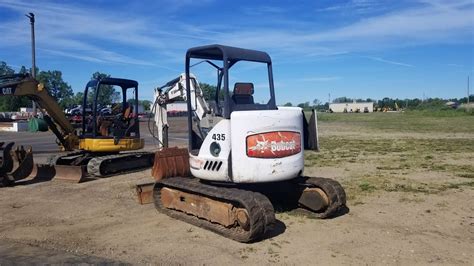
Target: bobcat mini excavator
[244,158]
[101,147]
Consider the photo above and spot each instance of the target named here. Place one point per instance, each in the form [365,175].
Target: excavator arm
[171,91]
[24,85]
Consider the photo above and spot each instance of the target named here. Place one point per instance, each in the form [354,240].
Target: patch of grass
[377,163]
[408,200]
[410,121]
[248,250]
[413,188]
[275,244]
[459,185]
[272,252]
[466,175]
[366,186]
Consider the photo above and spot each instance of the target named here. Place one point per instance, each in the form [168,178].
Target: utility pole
[31,16]
[329,98]
[467,90]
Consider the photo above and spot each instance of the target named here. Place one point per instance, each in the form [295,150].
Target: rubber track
[334,191]
[259,208]
[52,160]
[94,165]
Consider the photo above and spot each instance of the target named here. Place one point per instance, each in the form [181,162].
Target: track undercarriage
[76,166]
[245,212]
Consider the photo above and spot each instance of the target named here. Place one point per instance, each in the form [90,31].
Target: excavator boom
[24,85]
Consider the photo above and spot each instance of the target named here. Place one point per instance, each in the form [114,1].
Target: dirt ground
[398,215]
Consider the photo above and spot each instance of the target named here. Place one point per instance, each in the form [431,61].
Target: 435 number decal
[218,137]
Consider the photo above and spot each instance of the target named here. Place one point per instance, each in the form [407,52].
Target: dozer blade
[69,173]
[170,162]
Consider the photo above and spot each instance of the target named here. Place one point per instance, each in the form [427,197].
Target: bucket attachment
[145,192]
[170,162]
[24,158]
[15,166]
[6,161]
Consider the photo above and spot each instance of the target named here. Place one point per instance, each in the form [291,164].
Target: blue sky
[358,48]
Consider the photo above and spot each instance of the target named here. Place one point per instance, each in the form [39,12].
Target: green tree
[316,102]
[146,104]
[288,104]
[209,91]
[107,94]
[5,69]
[12,103]
[305,106]
[24,70]
[342,100]
[56,86]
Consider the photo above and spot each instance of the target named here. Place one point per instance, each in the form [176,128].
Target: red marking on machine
[276,144]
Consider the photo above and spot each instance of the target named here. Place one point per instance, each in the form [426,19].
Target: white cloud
[388,61]
[422,24]
[321,79]
[86,33]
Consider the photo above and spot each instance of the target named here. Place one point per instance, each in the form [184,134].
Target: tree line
[64,95]
[389,103]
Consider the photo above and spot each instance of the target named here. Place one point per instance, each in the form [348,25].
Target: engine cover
[266,145]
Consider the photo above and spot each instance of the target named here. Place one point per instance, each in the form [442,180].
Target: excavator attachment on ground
[15,165]
[168,162]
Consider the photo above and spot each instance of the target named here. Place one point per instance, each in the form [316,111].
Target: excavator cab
[117,128]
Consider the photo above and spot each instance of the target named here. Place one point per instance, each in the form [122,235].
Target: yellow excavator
[101,147]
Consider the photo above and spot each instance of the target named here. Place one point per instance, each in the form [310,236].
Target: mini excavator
[244,159]
[100,148]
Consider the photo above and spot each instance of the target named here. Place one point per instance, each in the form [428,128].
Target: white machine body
[253,147]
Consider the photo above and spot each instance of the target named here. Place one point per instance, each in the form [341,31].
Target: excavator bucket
[24,159]
[170,162]
[15,166]
[6,163]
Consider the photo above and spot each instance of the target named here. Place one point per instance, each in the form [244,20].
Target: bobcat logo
[275,144]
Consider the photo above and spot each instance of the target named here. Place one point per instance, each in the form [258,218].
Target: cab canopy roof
[219,52]
[124,83]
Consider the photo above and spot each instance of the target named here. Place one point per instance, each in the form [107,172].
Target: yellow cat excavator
[99,148]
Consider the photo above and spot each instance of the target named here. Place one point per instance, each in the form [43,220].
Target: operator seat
[243,93]
[127,112]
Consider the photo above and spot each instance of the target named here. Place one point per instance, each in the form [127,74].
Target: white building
[361,107]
